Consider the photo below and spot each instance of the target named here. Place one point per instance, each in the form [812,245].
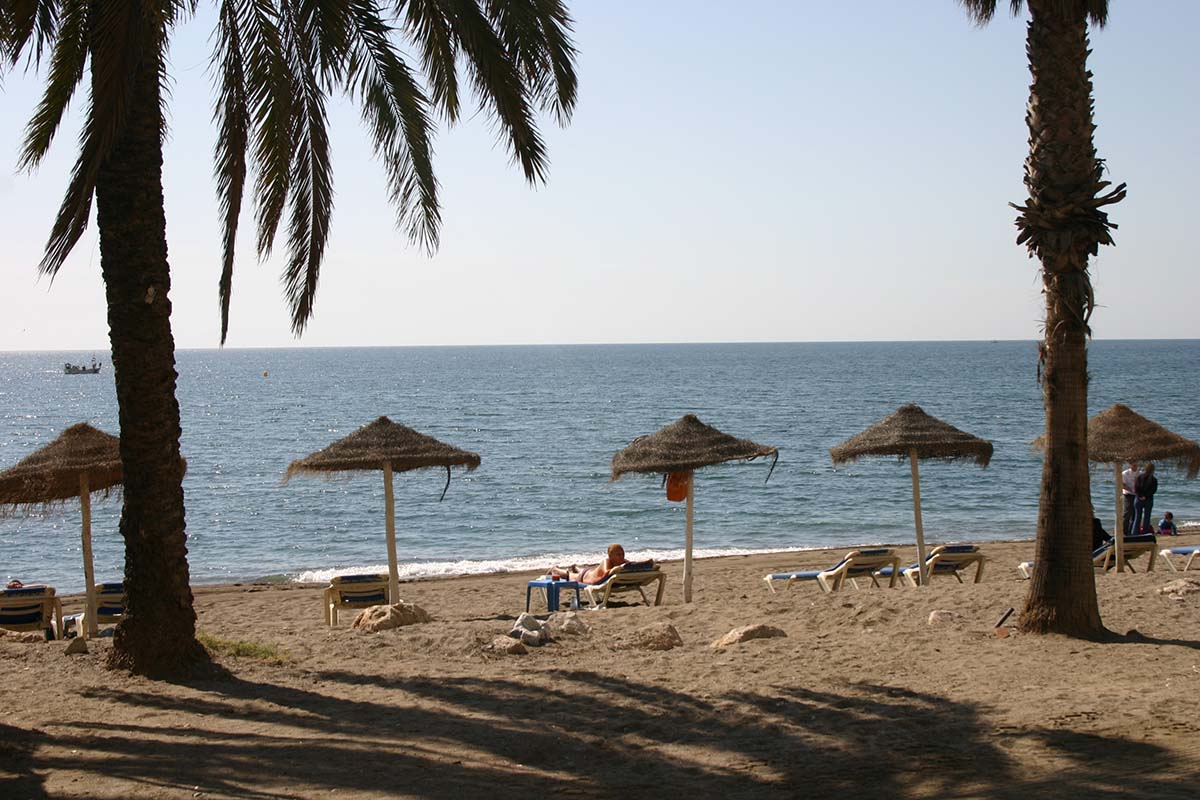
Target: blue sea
[546,421]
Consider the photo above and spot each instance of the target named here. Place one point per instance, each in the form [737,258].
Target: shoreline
[784,559]
[540,562]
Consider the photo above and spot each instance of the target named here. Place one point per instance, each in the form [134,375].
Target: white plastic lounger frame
[31,608]
[622,579]
[948,559]
[856,564]
[1133,546]
[109,599]
[354,591]
[1104,557]
[1190,552]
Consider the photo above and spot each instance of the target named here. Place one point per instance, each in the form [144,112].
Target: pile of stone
[529,631]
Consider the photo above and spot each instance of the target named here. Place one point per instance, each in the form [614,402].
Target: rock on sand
[562,622]
[748,632]
[530,630]
[508,646]
[1177,590]
[659,636]
[381,618]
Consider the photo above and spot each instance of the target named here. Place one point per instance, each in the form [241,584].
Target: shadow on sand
[578,733]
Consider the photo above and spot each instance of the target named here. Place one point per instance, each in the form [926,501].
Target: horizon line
[106,349]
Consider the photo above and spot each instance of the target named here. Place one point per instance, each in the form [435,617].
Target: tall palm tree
[276,63]
[1062,223]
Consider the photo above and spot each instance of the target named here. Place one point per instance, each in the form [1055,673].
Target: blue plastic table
[552,590]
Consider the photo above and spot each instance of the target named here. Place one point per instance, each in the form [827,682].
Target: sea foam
[441,569]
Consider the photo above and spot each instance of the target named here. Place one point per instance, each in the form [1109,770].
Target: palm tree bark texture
[1062,224]
[157,635]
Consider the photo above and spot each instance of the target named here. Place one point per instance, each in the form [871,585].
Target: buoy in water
[264,373]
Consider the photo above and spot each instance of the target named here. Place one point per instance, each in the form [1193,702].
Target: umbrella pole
[916,482]
[1119,533]
[687,552]
[89,575]
[389,503]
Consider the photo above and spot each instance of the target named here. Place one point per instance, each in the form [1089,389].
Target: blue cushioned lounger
[946,559]
[354,591]
[30,608]
[856,564]
[110,608]
[627,577]
[1187,553]
[1104,557]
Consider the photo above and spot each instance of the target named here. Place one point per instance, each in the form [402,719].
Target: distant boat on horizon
[82,369]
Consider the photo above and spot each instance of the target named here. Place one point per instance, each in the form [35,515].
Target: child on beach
[592,575]
[1167,526]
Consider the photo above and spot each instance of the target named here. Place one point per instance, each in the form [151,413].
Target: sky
[794,171]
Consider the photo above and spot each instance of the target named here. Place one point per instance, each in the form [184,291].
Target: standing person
[1128,495]
[1144,487]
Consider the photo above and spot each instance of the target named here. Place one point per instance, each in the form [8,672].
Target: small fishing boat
[81,369]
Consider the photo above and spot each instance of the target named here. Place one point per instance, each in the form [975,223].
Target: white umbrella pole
[687,552]
[916,482]
[389,504]
[89,575]
[1119,533]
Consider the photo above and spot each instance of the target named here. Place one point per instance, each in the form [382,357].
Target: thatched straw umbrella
[82,460]
[681,447]
[911,433]
[1120,434]
[388,446]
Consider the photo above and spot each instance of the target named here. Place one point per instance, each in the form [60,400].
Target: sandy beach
[862,697]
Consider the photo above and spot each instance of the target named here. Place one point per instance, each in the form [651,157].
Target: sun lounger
[946,559]
[1105,557]
[354,591]
[30,608]
[1187,553]
[856,564]
[626,578]
[110,608]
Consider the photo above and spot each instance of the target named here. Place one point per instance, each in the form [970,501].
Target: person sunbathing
[592,575]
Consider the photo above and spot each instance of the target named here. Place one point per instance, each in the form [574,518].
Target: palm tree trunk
[1062,225]
[157,635]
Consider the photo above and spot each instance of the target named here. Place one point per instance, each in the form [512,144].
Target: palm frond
[329,23]
[232,114]
[981,12]
[119,36]
[498,83]
[429,29]
[537,35]
[24,20]
[270,91]
[395,110]
[311,185]
[67,61]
